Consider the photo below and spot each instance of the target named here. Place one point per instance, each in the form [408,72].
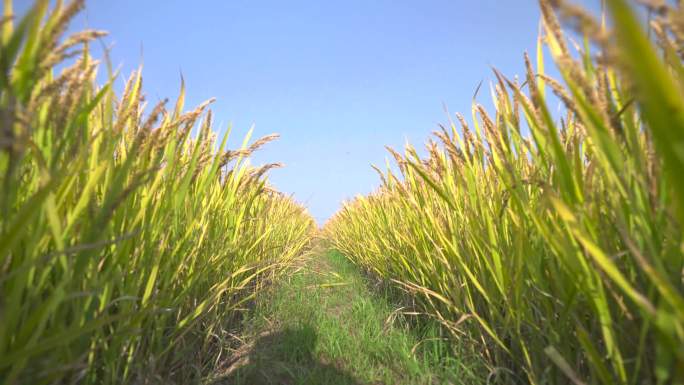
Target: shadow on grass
[287,357]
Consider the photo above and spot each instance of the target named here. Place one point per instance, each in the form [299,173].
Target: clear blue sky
[337,79]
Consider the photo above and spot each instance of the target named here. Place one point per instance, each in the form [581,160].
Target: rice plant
[552,243]
[128,240]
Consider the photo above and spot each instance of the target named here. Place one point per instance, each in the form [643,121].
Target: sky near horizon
[338,80]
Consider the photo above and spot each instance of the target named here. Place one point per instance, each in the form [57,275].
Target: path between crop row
[322,324]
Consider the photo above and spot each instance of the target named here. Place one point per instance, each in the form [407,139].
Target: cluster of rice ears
[127,243]
[552,244]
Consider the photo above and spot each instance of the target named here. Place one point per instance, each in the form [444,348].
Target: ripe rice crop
[551,244]
[127,243]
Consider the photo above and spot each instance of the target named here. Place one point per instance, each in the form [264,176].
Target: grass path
[322,324]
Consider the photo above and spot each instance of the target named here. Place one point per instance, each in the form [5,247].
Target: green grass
[324,324]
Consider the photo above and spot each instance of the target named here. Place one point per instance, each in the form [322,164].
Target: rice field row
[550,243]
[128,240]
